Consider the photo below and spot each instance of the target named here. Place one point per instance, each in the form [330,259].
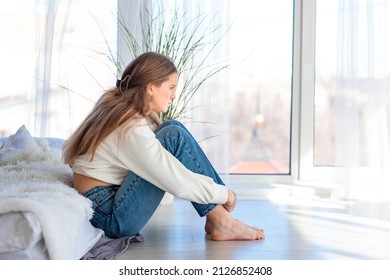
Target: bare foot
[208,227]
[222,226]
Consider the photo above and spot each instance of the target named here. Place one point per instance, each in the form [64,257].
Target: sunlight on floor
[299,225]
[338,229]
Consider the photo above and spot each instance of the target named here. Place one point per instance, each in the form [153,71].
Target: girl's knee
[174,131]
[173,123]
[169,129]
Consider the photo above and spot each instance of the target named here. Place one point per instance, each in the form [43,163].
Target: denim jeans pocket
[102,199]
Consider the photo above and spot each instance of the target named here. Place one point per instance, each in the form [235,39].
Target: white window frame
[308,172]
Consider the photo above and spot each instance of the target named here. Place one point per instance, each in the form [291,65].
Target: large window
[305,93]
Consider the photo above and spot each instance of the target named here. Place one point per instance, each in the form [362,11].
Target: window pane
[261,89]
[325,75]
[352,76]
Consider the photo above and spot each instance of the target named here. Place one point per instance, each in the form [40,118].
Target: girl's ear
[150,89]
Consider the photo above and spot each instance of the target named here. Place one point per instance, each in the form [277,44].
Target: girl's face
[161,96]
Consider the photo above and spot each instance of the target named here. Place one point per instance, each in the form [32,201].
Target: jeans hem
[208,210]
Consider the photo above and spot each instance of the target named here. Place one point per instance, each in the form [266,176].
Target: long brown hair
[128,100]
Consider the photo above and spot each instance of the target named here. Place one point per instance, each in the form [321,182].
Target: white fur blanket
[33,178]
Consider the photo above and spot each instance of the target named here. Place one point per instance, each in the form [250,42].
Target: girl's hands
[231,203]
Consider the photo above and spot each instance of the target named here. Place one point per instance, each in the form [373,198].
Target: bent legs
[176,139]
[219,223]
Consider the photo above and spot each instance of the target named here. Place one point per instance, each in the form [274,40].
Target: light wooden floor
[295,228]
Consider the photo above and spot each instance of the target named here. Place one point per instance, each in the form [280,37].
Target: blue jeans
[124,210]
